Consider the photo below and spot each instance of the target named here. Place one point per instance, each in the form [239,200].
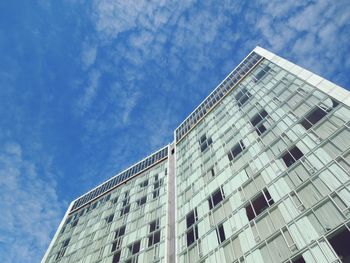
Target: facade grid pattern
[258,172]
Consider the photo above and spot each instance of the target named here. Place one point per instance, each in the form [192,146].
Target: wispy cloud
[88,55]
[90,91]
[29,207]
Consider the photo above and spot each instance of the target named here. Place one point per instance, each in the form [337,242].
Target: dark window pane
[155,193]
[313,117]
[125,210]
[66,242]
[216,198]
[299,260]
[142,200]
[340,243]
[262,73]
[154,239]
[292,156]
[230,157]
[135,248]
[192,235]
[244,99]
[202,139]
[110,218]
[154,225]
[306,124]
[237,149]
[116,245]
[316,115]
[204,146]
[220,233]
[116,257]
[144,183]
[249,212]
[260,129]
[191,218]
[120,232]
[114,200]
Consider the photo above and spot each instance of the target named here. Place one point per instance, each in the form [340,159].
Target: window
[236,150]
[259,204]
[154,238]
[125,210]
[109,218]
[192,235]
[317,114]
[74,224]
[157,184]
[292,156]
[119,232]
[66,242]
[258,122]
[116,257]
[242,96]
[154,225]
[116,245]
[262,73]
[135,248]
[340,243]
[142,200]
[215,198]
[144,183]
[191,218]
[205,142]
[220,233]
[114,200]
[155,193]
[299,259]
[125,201]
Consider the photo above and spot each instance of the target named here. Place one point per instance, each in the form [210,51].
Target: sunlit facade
[258,172]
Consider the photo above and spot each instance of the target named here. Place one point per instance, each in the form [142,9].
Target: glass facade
[261,175]
[125,225]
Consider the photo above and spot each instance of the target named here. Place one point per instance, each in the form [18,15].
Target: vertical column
[170,240]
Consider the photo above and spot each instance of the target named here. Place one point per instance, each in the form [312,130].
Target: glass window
[191,218]
[262,73]
[215,198]
[340,243]
[116,257]
[135,248]
[318,113]
[259,204]
[154,238]
[110,218]
[292,156]
[155,193]
[119,232]
[236,150]
[192,235]
[144,183]
[125,210]
[220,233]
[154,225]
[142,200]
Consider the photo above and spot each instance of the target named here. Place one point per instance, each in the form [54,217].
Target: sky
[88,88]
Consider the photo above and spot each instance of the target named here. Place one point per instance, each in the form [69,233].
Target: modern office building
[258,172]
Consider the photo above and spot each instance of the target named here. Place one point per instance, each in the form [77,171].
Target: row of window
[137,168]
[217,94]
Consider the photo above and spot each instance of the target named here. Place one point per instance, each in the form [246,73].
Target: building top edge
[122,176]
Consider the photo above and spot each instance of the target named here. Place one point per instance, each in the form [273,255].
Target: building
[258,172]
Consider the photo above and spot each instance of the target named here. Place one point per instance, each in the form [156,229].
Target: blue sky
[89,87]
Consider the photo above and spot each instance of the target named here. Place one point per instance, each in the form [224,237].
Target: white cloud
[88,55]
[90,91]
[29,207]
